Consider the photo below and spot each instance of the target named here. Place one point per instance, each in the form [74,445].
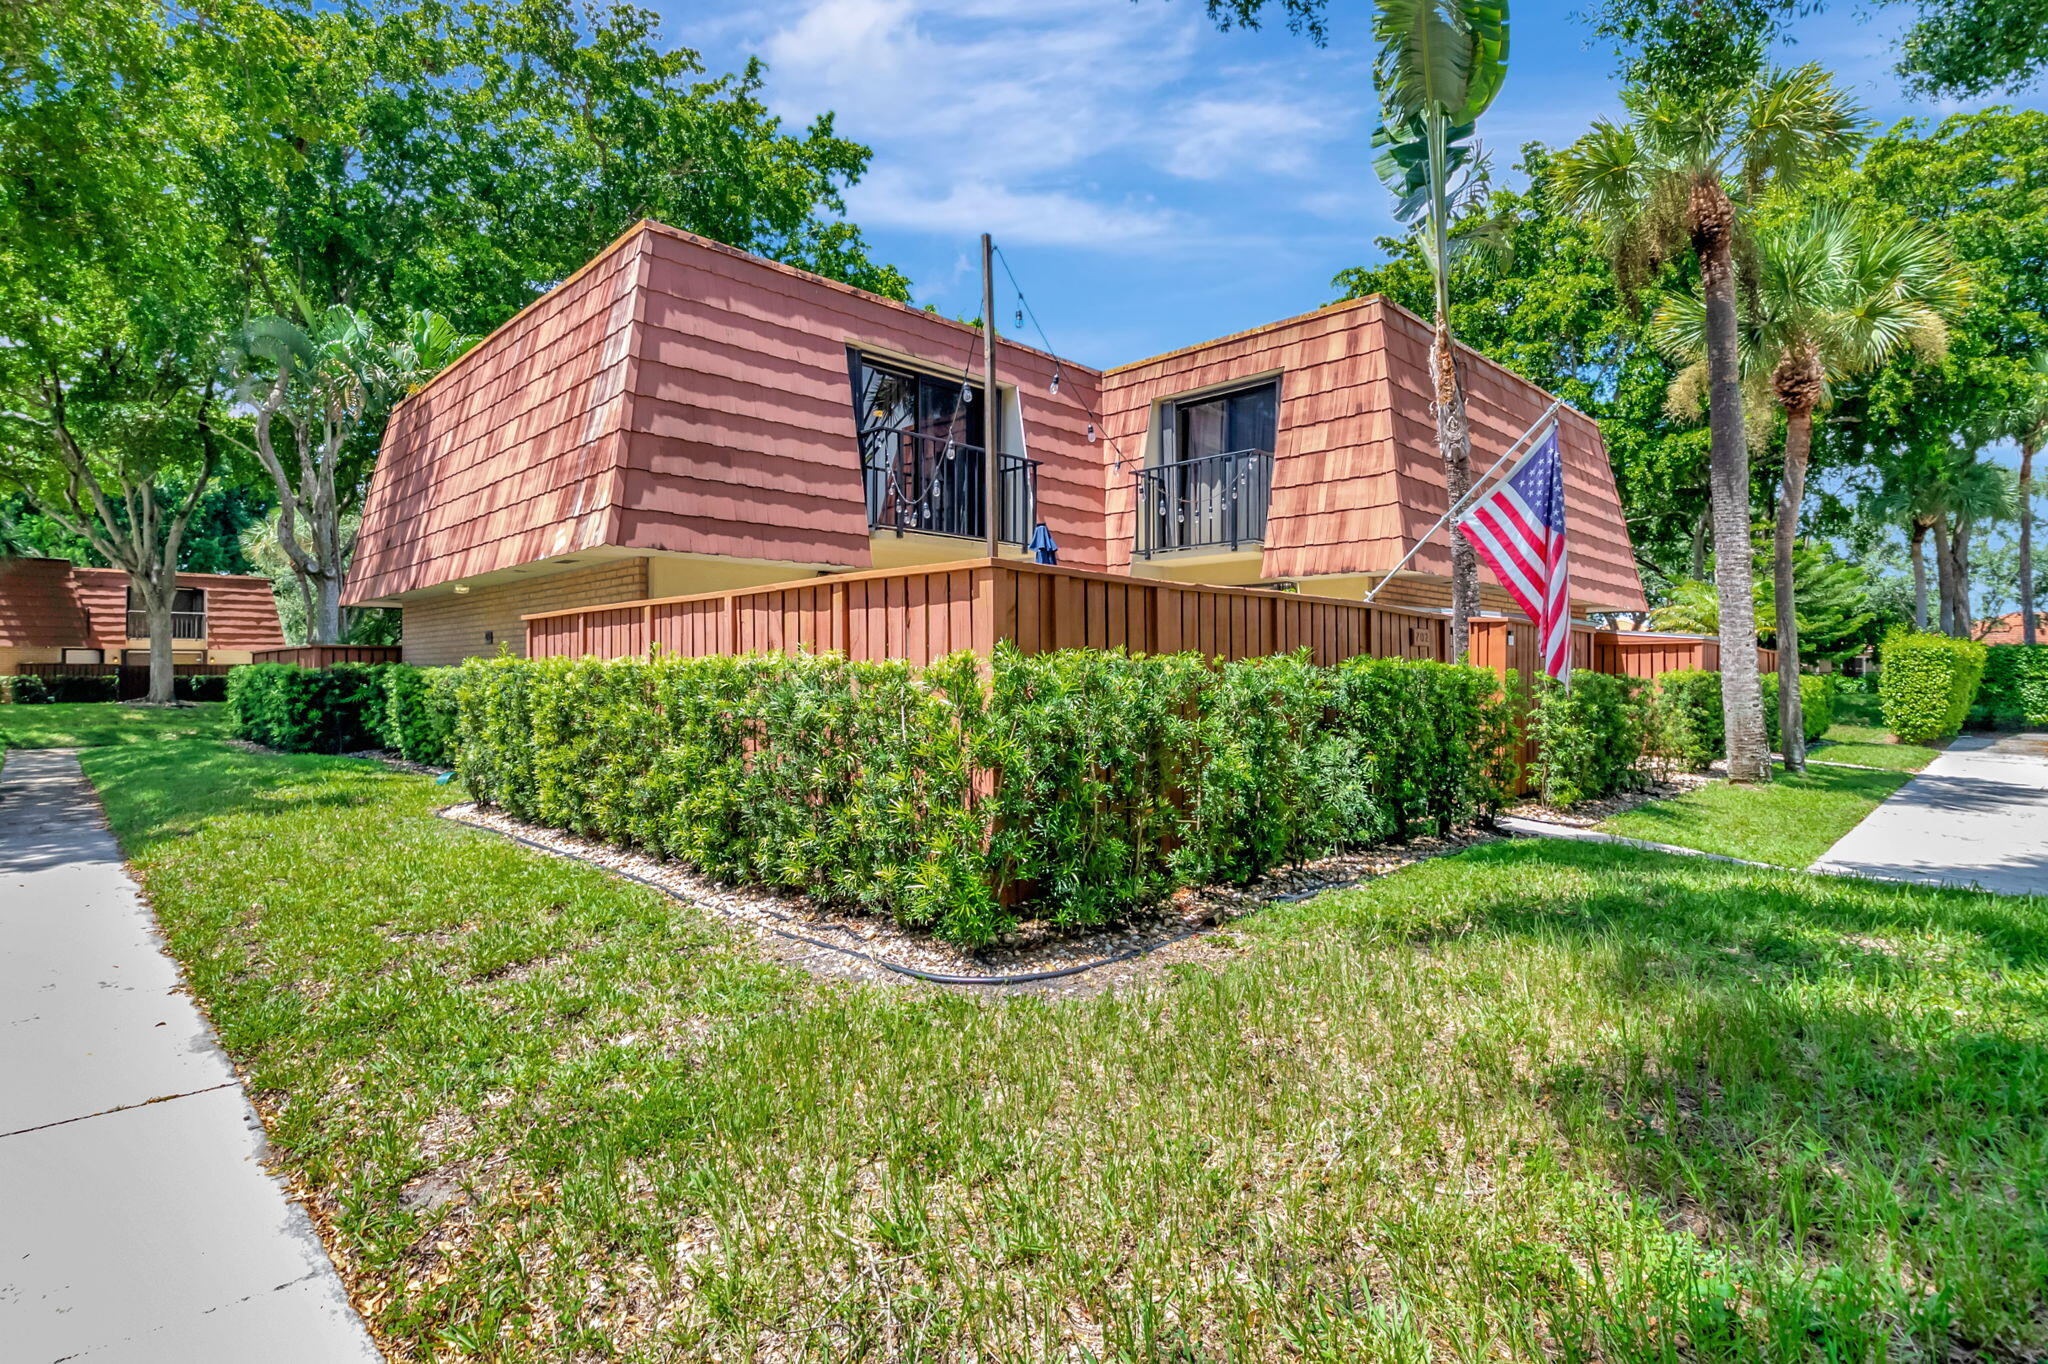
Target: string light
[1024,307]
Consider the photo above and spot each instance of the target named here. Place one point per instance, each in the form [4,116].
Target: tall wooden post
[991,415]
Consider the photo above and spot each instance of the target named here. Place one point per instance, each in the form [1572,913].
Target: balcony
[930,486]
[184,625]
[1210,502]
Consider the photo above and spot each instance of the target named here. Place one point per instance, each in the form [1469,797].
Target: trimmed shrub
[1926,684]
[1591,737]
[419,713]
[1691,732]
[306,710]
[1081,783]
[1816,706]
[2014,692]
[34,691]
[1689,728]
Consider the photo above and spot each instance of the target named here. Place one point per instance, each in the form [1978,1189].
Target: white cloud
[1047,120]
[965,207]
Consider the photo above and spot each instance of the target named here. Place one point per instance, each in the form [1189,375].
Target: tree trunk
[1454,443]
[1791,717]
[1966,621]
[1945,577]
[1918,541]
[2027,630]
[156,598]
[1700,528]
[1749,754]
[323,623]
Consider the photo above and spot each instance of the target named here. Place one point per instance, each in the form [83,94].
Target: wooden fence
[322,655]
[925,613]
[921,614]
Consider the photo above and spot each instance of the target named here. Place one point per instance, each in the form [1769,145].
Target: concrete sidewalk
[136,1221]
[1976,816]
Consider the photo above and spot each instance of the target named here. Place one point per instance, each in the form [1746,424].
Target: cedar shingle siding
[678,397]
[49,605]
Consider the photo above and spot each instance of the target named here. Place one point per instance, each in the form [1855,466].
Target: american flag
[1518,528]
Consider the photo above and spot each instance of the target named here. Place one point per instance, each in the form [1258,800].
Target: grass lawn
[1788,823]
[1536,1100]
[1859,736]
[90,724]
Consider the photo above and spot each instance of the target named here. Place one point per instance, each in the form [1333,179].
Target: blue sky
[1152,181]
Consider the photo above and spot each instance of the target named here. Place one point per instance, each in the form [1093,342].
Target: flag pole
[1471,494]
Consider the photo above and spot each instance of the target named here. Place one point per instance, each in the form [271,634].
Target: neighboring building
[53,611]
[680,417]
[2010,629]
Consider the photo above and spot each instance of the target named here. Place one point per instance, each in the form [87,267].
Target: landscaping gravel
[1191,927]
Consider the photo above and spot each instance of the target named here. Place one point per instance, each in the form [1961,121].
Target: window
[1223,423]
[84,656]
[921,453]
[1214,477]
[188,614]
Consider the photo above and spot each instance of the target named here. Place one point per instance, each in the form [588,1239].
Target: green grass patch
[1859,736]
[1533,1101]
[1788,823]
[93,724]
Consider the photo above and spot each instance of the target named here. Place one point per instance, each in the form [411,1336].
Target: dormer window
[1214,478]
[921,453]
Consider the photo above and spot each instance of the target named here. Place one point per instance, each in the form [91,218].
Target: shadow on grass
[1841,1095]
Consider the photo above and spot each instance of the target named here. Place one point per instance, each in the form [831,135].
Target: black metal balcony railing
[1207,502]
[934,486]
[184,625]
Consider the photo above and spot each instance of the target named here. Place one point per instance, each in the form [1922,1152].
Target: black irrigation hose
[933,977]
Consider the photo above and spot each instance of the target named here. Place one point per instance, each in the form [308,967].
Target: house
[680,417]
[2010,629]
[54,611]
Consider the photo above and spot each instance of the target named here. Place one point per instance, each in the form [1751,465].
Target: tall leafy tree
[319,384]
[1836,292]
[2026,424]
[115,280]
[1440,64]
[468,156]
[1678,176]
[1981,179]
[1536,294]
[1952,48]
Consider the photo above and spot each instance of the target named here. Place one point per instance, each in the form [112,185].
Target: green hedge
[1081,784]
[211,687]
[1816,706]
[418,718]
[2014,692]
[1926,684]
[30,690]
[1592,738]
[309,710]
[1691,731]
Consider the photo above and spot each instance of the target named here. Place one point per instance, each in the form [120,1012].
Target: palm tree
[2027,423]
[322,378]
[1440,64]
[1678,176]
[1836,293]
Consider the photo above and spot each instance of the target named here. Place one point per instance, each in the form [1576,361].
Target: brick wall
[447,628]
[14,655]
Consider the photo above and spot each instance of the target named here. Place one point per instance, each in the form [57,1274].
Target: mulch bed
[1589,813]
